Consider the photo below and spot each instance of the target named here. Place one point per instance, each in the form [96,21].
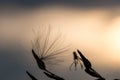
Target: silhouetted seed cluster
[87,65]
[77,60]
[48,45]
[42,66]
[43,51]
[47,49]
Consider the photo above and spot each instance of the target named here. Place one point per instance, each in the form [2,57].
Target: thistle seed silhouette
[39,61]
[77,60]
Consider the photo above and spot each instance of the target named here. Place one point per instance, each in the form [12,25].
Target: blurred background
[92,26]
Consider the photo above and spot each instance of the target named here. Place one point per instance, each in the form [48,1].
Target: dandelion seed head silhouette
[94,30]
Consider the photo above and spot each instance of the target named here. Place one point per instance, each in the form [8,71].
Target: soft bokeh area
[95,31]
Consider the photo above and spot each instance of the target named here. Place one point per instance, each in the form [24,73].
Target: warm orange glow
[113,39]
[92,31]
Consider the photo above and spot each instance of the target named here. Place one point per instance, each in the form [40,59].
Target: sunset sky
[92,26]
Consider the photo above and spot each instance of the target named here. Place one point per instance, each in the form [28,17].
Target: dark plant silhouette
[85,61]
[42,66]
[31,76]
[39,61]
[88,67]
[93,73]
[77,60]
[45,48]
